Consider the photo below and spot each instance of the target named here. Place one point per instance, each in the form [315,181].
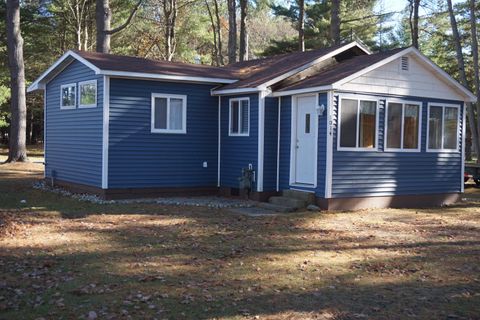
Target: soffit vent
[405,65]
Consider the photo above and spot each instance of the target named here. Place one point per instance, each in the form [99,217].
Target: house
[353,128]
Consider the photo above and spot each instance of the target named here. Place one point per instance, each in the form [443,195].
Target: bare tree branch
[127,22]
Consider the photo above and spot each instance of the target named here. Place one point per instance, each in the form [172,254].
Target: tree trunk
[301,25]
[18,108]
[219,33]
[214,29]
[103,17]
[476,76]
[170,14]
[414,6]
[243,30]
[335,22]
[463,77]
[232,31]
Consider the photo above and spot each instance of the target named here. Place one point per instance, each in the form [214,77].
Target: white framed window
[239,117]
[357,124]
[68,96]
[87,97]
[169,113]
[443,127]
[403,126]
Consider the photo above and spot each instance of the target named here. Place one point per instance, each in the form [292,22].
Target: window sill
[401,150]
[443,150]
[168,131]
[238,134]
[86,106]
[358,149]
[67,107]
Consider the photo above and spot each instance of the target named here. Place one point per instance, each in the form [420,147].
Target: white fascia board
[465,92]
[301,91]
[234,91]
[37,84]
[126,74]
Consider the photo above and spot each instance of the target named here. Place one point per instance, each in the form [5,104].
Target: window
[68,96]
[239,123]
[358,124]
[443,127]
[403,126]
[88,94]
[169,113]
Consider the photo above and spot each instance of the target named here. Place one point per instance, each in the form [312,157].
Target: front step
[308,197]
[288,202]
[276,207]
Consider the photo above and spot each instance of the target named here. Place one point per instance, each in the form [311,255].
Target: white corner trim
[329,151]
[278,142]
[301,91]
[219,139]
[80,84]
[45,133]
[462,184]
[261,139]
[143,75]
[106,122]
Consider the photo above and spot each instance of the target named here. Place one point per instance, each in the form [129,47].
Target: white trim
[92,105]
[184,113]
[278,143]
[283,76]
[462,185]
[358,98]
[293,134]
[105,137]
[411,50]
[37,83]
[62,107]
[329,151]
[385,134]
[219,139]
[214,92]
[144,75]
[240,117]
[443,106]
[261,138]
[45,133]
[301,91]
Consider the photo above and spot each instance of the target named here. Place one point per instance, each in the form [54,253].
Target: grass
[61,259]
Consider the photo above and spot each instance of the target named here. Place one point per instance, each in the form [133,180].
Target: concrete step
[308,197]
[288,202]
[276,207]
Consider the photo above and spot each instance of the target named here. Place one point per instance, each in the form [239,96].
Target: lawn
[64,259]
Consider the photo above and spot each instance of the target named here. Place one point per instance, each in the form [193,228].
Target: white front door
[305,140]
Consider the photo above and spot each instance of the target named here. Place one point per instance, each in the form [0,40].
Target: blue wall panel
[140,159]
[73,146]
[238,152]
[357,174]
[270,144]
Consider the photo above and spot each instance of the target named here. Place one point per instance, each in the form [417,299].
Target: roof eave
[302,91]
[156,76]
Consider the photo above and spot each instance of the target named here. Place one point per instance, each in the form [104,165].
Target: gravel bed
[210,202]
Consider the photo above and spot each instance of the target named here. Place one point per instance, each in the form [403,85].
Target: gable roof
[347,70]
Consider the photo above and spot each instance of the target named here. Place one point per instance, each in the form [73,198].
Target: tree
[232,31]
[335,22]
[103,18]
[217,32]
[476,76]
[462,74]
[18,108]
[414,6]
[301,25]
[243,54]
[170,12]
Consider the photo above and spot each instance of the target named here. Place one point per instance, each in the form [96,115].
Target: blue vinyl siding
[379,173]
[285,141]
[73,146]
[238,152]
[141,159]
[270,144]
